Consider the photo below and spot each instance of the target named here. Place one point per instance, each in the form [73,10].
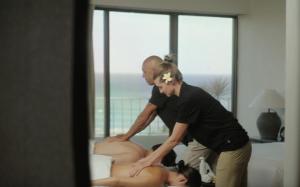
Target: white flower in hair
[167,77]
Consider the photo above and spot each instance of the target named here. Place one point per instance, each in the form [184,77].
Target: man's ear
[181,179]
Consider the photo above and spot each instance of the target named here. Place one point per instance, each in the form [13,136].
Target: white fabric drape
[91,74]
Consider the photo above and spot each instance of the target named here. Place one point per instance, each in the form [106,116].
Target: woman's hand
[136,169]
[138,166]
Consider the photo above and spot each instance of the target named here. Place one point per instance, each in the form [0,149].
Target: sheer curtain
[91,74]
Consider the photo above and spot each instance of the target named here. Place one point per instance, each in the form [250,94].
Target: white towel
[100,166]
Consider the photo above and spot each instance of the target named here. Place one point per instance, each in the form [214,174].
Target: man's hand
[117,138]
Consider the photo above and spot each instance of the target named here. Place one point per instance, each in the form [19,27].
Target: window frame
[173,49]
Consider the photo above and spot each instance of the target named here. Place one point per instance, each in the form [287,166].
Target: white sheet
[100,166]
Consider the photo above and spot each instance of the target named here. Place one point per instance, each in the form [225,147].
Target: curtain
[91,74]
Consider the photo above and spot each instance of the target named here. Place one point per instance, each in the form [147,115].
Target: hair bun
[169,58]
[180,165]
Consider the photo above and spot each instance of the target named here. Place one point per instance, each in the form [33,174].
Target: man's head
[151,69]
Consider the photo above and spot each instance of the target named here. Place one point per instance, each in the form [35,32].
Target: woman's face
[167,89]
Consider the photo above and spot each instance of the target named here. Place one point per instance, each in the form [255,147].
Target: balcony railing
[124,110]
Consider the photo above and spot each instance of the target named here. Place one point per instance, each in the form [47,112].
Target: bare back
[154,175]
[121,152]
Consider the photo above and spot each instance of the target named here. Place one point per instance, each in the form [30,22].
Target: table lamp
[268,123]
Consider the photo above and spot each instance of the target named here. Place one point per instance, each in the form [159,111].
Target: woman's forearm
[178,133]
[155,157]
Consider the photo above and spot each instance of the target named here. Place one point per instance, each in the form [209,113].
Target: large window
[205,46]
[98,50]
[133,37]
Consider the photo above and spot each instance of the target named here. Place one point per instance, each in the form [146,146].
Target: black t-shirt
[166,110]
[208,121]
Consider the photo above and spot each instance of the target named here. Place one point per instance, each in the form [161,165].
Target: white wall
[261,61]
[292,146]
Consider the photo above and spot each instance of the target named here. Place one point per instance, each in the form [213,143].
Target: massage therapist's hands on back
[165,107]
[150,71]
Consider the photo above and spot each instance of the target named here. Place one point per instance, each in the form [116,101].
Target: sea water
[129,93]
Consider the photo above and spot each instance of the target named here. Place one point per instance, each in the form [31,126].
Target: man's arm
[142,121]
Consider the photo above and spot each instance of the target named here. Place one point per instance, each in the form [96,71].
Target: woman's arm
[155,157]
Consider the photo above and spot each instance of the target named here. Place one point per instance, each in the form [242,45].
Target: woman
[208,122]
[153,176]
[129,152]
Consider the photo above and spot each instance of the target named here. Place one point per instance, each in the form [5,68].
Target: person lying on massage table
[152,176]
[129,152]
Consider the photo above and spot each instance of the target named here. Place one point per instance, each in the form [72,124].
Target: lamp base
[268,124]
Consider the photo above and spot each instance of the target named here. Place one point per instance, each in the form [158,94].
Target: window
[133,37]
[205,48]
[98,51]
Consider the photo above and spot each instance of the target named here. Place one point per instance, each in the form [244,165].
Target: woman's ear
[181,179]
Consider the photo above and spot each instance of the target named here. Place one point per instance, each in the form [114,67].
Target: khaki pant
[232,167]
[196,150]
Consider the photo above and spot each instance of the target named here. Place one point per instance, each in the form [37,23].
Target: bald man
[165,108]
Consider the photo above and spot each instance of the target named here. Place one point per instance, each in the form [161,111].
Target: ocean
[129,93]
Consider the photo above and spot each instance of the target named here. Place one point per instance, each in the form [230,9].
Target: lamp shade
[268,98]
